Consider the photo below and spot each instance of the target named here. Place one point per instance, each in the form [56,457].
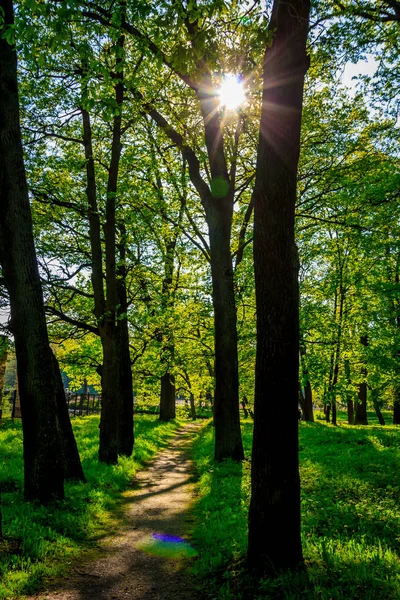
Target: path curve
[159,503]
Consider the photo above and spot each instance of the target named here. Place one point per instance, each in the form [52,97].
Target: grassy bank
[350,514]
[42,541]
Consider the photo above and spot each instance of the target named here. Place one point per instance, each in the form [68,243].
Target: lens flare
[231,93]
[168,546]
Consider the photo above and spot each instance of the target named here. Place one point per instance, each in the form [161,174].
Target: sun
[231,93]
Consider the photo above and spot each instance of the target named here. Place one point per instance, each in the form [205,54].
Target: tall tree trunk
[307,407]
[334,411]
[3,362]
[218,206]
[43,455]
[396,410]
[116,422]
[361,406]
[126,433]
[349,399]
[110,399]
[228,440]
[167,394]
[350,411]
[274,515]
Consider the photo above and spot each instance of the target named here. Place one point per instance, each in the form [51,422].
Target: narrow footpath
[147,559]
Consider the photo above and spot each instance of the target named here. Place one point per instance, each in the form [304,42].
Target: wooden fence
[90,404]
[83,404]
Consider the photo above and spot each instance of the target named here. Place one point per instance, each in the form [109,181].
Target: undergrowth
[42,541]
[350,517]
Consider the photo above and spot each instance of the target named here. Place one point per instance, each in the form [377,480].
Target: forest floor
[148,558]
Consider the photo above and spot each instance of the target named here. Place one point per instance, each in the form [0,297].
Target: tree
[48,437]
[274,515]
[217,195]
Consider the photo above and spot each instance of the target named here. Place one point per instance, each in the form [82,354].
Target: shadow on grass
[52,537]
[350,499]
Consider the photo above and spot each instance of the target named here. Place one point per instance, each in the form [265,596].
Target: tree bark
[3,362]
[72,467]
[350,403]
[396,412]
[43,452]
[379,414]
[167,397]
[361,406]
[307,407]
[126,430]
[228,440]
[274,515]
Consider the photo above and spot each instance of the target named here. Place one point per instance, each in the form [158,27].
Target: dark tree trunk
[379,414]
[228,440]
[110,399]
[167,398]
[3,362]
[274,515]
[350,411]
[73,467]
[308,412]
[218,206]
[167,393]
[328,412]
[192,407]
[43,456]
[307,406]
[396,412]
[361,406]
[126,433]
[350,403]
[116,422]
[334,413]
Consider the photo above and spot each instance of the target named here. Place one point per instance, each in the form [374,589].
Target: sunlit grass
[46,539]
[350,516]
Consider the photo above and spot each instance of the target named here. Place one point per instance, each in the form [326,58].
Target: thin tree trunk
[361,406]
[328,412]
[167,394]
[274,515]
[396,412]
[3,362]
[379,414]
[192,407]
[307,407]
[350,403]
[334,412]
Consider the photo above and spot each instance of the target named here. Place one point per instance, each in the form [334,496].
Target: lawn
[350,516]
[43,541]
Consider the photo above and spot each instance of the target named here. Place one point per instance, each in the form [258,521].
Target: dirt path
[134,565]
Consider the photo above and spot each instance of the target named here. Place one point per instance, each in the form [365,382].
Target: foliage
[51,538]
[350,518]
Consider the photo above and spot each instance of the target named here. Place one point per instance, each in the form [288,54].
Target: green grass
[350,516]
[42,541]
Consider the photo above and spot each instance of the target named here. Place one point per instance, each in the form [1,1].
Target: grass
[42,541]
[350,516]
